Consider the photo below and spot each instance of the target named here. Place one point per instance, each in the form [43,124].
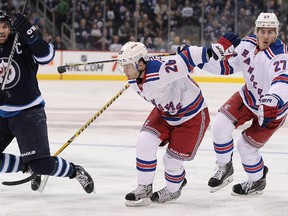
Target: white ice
[107,150]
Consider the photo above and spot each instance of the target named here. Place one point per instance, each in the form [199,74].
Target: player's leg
[232,114]
[146,162]
[183,145]
[252,139]
[253,165]
[30,129]
[223,147]
[175,180]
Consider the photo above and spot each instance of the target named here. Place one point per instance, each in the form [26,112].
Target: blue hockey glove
[24,27]
[268,110]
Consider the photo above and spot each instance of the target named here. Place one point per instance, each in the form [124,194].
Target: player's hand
[24,27]
[268,110]
[182,48]
[4,95]
[225,46]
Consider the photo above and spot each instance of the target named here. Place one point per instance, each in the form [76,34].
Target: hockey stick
[44,182]
[6,71]
[62,69]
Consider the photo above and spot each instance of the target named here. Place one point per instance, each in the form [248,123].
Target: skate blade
[226,182]
[141,202]
[249,194]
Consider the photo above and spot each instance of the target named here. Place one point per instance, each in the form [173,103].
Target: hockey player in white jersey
[179,120]
[263,60]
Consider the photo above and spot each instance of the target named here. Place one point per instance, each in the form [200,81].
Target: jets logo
[13,73]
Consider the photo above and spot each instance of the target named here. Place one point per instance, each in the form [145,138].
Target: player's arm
[216,56]
[275,103]
[193,55]
[43,52]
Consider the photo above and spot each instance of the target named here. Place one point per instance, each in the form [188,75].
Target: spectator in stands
[82,34]
[124,32]
[175,45]
[115,46]
[187,12]
[58,43]
[61,12]
[160,45]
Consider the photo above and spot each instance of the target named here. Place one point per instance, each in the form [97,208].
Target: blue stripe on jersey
[255,167]
[146,166]
[189,110]
[283,78]
[268,54]
[249,98]
[187,59]
[224,148]
[152,77]
[175,178]
[7,111]
[153,66]
[250,39]
[226,68]
[278,47]
[46,59]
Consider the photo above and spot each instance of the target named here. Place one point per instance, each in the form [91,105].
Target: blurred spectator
[58,43]
[160,45]
[176,43]
[124,32]
[187,12]
[82,34]
[149,44]
[147,20]
[115,46]
[94,37]
[61,12]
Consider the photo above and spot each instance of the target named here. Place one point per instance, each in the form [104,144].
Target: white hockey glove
[268,110]
[225,46]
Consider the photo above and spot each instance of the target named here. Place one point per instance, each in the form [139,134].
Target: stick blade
[61,69]
[22,181]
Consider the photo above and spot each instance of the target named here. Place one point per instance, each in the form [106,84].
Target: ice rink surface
[107,150]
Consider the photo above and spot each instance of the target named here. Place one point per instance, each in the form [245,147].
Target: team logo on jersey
[13,74]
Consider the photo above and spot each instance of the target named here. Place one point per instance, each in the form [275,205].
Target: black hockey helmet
[4,17]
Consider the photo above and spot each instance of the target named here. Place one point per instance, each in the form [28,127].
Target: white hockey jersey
[169,87]
[264,72]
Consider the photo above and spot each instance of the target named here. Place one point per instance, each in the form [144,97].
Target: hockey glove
[225,46]
[182,48]
[268,110]
[24,27]
[4,95]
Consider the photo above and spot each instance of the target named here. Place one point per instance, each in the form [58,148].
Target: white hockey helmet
[131,52]
[267,20]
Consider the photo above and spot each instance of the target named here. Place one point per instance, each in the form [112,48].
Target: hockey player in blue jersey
[22,114]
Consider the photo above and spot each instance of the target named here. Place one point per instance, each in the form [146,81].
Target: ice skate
[140,196]
[164,195]
[222,177]
[251,187]
[84,179]
[35,182]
